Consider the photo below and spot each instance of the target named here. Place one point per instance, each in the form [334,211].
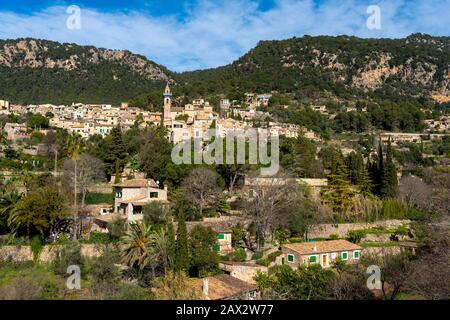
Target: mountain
[344,66]
[41,71]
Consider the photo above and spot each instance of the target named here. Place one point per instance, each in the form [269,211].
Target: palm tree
[161,245]
[8,201]
[73,146]
[137,249]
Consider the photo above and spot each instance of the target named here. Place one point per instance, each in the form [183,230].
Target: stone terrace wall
[24,253]
[381,251]
[326,230]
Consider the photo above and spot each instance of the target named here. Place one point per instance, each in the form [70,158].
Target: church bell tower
[167,102]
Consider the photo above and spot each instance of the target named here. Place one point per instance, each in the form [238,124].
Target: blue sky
[197,34]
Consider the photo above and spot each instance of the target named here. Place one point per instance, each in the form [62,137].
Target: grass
[10,271]
[98,198]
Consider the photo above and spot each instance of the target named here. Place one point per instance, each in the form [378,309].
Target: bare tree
[430,271]
[275,203]
[395,270]
[440,181]
[350,285]
[89,169]
[200,185]
[415,192]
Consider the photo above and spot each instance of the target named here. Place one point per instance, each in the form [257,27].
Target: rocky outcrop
[31,53]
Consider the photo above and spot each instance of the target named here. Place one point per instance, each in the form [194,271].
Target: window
[290,258]
[312,259]
[153,194]
[220,236]
[344,255]
[356,254]
[333,255]
[118,194]
[216,248]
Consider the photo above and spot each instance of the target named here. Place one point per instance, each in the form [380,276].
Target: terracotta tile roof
[224,286]
[134,199]
[322,246]
[137,183]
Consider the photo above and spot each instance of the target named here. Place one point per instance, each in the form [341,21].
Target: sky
[197,34]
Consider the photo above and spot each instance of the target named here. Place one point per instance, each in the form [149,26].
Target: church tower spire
[167,101]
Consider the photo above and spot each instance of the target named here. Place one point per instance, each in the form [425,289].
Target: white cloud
[214,33]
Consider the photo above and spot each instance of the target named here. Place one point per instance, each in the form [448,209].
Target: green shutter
[344,255]
[356,254]
[312,259]
[216,248]
[290,257]
[220,236]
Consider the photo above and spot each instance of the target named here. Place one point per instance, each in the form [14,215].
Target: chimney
[205,286]
[315,248]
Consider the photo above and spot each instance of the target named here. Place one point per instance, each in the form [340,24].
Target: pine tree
[365,182]
[117,178]
[181,261]
[339,193]
[115,151]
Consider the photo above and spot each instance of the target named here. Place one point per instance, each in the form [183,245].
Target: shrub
[98,237]
[117,228]
[272,256]
[263,262]
[355,236]
[69,254]
[257,255]
[225,258]
[36,247]
[415,214]
[98,198]
[239,255]
[393,209]
[295,240]
[104,273]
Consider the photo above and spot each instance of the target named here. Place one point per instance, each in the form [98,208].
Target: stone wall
[24,253]
[326,230]
[381,251]
[242,271]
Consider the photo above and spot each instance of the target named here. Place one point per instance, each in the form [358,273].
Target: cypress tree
[181,261]
[379,182]
[171,236]
[390,183]
[339,193]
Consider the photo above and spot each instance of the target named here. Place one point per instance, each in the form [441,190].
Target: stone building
[319,252]
[132,195]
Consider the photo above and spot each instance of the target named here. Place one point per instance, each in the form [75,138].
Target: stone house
[222,229]
[321,252]
[131,195]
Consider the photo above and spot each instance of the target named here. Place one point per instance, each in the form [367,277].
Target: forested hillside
[344,66]
[40,71]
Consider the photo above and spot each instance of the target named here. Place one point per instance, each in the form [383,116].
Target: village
[248,243]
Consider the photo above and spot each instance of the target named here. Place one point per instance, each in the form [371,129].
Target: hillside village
[94,184]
